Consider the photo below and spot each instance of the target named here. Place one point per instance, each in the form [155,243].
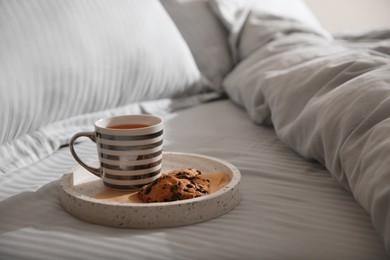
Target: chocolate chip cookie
[176,185]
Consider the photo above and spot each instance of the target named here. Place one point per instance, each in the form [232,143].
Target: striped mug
[129,150]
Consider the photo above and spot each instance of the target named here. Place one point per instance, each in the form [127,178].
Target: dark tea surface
[127,126]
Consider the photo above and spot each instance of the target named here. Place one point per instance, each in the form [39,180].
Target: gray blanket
[327,98]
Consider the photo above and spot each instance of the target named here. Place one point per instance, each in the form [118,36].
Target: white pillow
[59,59]
[245,21]
[205,35]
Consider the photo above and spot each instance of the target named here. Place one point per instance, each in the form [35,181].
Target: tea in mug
[127,126]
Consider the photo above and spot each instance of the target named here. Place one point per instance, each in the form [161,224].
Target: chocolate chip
[148,189]
[174,188]
[176,196]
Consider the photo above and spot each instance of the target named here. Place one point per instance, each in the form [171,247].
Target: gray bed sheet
[291,208]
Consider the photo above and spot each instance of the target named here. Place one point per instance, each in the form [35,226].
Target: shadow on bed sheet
[34,224]
[41,210]
[37,217]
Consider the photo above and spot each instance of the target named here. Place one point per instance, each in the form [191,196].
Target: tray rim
[229,195]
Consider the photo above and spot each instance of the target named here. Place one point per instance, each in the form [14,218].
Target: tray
[79,189]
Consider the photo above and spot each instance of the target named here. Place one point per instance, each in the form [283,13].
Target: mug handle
[92,136]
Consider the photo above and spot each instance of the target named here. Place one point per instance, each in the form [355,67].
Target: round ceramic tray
[83,195]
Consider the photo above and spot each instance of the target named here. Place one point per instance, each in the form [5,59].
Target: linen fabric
[290,207]
[327,99]
[206,37]
[66,58]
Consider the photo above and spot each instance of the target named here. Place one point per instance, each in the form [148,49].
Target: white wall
[336,15]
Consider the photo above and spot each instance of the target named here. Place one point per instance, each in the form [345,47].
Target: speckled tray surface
[78,189]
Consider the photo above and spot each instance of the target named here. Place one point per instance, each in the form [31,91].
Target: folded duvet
[328,99]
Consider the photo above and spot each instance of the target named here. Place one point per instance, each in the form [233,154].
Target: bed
[302,113]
